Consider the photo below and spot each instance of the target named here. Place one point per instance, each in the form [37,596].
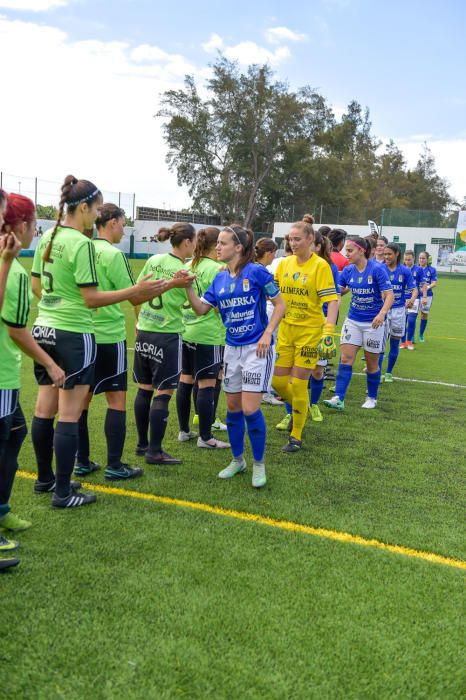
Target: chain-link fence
[46,193]
[342,215]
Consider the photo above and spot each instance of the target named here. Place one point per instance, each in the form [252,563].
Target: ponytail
[206,240]
[362,243]
[325,246]
[263,246]
[245,238]
[73,193]
[176,234]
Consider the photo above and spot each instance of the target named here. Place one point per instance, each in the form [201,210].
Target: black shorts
[14,419]
[111,367]
[157,359]
[73,352]
[202,361]
[8,402]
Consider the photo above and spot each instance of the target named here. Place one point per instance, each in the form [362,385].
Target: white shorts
[424,309]
[415,307]
[244,371]
[396,319]
[362,335]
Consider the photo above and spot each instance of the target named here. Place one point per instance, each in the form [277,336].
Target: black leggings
[13,430]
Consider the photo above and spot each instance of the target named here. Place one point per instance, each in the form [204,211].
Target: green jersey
[163,314]
[15,312]
[71,265]
[208,329]
[113,273]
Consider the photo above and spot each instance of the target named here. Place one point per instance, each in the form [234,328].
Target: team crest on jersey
[296,275]
[400,278]
[369,280]
[245,285]
[303,279]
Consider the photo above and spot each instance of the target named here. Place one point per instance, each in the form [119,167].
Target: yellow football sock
[300,404]
[283,387]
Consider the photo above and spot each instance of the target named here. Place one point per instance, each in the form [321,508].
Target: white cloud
[87,108]
[277,35]
[215,43]
[247,52]
[32,5]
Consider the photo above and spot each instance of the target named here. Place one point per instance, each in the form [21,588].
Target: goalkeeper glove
[326,347]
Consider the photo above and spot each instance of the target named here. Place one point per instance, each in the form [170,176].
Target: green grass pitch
[132,599]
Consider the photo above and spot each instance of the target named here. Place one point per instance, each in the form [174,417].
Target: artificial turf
[130,599]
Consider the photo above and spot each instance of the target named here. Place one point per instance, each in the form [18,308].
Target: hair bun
[308,219]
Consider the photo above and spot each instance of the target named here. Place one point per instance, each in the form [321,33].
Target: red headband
[357,245]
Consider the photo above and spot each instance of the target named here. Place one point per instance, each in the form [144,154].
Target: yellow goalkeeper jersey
[304,288]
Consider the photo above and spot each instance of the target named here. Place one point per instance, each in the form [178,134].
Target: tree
[253,150]
[229,148]
[46,211]
[428,189]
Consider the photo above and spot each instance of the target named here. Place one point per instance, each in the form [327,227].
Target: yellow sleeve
[277,273]
[325,286]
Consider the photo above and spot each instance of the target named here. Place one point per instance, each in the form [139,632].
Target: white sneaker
[235,467]
[259,478]
[184,437]
[369,403]
[218,425]
[212,444]
[272,400]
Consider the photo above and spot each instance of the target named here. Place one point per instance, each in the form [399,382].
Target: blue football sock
[344,375]
[289,408]
[381,356]
[236,427]
[373,381]
[411,327]
[393,354]
[317,386]
[256,431]
[423,325]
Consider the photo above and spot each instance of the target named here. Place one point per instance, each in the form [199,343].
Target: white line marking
[406,379]
[419,381]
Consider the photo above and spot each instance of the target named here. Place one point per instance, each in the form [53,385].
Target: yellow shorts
[297,346]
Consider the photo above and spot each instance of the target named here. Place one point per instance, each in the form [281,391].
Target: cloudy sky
[81,78]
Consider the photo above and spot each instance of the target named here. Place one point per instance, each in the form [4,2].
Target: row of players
[78,340]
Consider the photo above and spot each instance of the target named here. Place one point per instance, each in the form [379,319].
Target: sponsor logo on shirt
[241,329]
[295,290]
[236,301]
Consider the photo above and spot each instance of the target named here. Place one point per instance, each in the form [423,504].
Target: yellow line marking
[272,522]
